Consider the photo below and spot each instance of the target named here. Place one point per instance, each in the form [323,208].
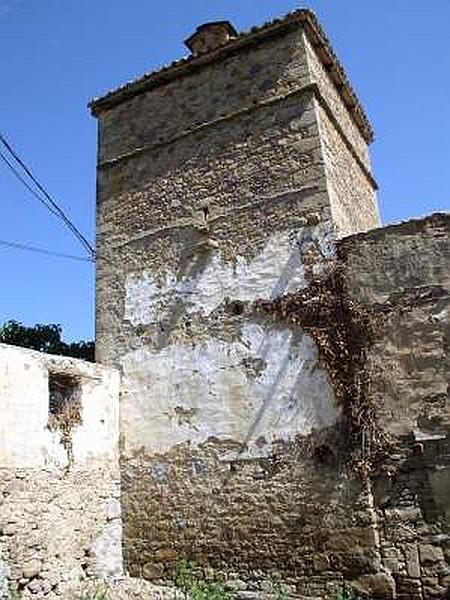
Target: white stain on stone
[107,550]
[266,384]
[278,269]
[4,575]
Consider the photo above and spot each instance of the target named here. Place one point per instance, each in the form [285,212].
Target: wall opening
[63,390]
[64,407]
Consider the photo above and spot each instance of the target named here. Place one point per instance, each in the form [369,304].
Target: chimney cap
[210,36]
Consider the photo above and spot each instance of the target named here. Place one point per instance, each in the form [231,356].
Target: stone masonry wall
[284,504]
[60,517]
[214,194]
[351,190]
[319,75]
[237,133]
[287,514]
[245,189]
[255,75]
[401,273]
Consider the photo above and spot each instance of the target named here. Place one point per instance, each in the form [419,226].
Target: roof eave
[303,17]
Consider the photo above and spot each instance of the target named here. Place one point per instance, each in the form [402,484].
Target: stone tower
[223,180]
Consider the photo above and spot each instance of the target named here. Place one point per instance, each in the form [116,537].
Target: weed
[345,593]
[97,595]
[343,332]
[281,591]
[190,579]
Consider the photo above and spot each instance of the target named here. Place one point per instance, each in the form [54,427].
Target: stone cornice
[312,88]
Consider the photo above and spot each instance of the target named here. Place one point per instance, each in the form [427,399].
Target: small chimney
[210,36]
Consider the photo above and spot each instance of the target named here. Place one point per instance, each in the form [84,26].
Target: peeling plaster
[279,268]
[290,395]
[4,574]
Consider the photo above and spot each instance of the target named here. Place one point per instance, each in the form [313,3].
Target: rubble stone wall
[401,273]
[319,75]
[245,189]
[220,188]
[60,516]
[279,501]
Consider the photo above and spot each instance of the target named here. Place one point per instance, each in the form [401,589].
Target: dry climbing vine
[65,410]
[344,332]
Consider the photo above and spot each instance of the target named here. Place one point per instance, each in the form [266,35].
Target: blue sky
[55,55]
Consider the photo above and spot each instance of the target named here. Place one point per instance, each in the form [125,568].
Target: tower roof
[230,42]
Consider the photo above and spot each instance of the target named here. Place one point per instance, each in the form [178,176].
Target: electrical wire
[51,204]
[17,246]
[25,183]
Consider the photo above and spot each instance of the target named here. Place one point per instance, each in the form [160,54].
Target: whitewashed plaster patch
[188,393]
[276,270]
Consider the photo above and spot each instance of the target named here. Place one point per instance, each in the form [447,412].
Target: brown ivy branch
[343,332]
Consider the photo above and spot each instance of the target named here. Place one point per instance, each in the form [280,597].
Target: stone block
[411,554]
[377,586]
[430,554]
[408,589]
[152,571]
[31,569]
[349,540]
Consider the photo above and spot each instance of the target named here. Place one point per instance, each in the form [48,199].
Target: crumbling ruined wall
[401,273]
[255,480]
[284,408]
[60,517]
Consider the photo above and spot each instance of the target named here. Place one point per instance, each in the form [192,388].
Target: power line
[52,205]
[30,248]
[25,183]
